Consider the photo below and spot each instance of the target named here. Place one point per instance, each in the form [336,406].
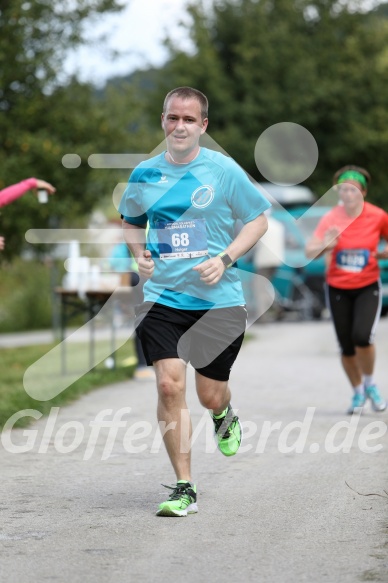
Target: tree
[318,63]
[44,116]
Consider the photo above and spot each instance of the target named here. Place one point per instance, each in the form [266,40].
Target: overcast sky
[138,31]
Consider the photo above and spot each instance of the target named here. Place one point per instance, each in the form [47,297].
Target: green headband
[353,175]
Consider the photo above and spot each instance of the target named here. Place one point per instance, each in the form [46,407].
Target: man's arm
[247,237]
[212,270]
[135,238]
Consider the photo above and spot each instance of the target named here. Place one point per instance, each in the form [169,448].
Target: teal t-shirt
[191,210]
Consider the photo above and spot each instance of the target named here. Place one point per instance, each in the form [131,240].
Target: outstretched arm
[11,193]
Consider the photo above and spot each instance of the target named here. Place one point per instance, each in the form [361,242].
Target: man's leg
[160,329]
[172,409]
[218,337]
[215,396]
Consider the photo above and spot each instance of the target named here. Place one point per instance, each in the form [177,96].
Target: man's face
[183,125]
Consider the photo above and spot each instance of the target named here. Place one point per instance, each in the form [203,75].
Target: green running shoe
[358,401]
[373,393]
[181,502]
[228,432]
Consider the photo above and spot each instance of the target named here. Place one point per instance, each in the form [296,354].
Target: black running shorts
[209,339]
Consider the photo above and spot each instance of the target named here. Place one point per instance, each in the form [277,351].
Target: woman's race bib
[352,259]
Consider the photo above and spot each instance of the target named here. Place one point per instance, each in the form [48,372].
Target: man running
[194,308]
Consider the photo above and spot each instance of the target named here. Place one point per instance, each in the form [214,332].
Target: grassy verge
[15,361]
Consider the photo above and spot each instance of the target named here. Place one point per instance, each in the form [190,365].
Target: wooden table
[89,303]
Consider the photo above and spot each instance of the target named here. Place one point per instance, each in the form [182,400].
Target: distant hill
[381,10]
[144,80]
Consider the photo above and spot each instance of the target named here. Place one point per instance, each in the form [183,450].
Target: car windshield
[292,238]
[297,231]
[289,195]
[307,225]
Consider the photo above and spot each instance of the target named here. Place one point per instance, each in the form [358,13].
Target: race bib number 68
[182,239]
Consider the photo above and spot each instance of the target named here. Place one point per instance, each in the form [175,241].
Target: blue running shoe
[377,402]
[358,402]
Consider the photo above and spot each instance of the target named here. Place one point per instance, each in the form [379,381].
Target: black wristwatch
[226,260]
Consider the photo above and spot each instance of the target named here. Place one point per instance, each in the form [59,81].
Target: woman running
[349,235]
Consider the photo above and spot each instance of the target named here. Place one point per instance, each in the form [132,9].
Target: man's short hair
[189,93]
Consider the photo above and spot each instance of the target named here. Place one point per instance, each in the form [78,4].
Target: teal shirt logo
[202,196]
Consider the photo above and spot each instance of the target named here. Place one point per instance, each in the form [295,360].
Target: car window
[291,239]
[307,226]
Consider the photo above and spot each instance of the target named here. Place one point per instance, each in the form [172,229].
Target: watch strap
[226,260]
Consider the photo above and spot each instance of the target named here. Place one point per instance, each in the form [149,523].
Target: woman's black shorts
[355,314]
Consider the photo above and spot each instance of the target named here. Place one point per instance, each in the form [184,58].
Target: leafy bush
[25,296]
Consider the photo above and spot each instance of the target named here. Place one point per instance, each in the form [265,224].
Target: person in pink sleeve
[11,193]
[15,191]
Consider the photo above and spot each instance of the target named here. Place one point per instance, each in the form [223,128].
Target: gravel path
[302,501]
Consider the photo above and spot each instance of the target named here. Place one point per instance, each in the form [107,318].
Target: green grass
[15,361]
[43,364]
